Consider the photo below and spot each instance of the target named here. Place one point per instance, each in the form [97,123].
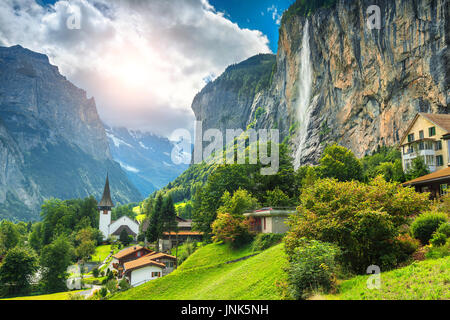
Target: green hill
[429,279]
[205,275]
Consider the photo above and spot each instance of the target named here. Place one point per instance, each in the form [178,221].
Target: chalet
[108,227]
[269,220]
[437,183]
[126,255]
[142,270]
[149,267]
[170,239]
[427,136]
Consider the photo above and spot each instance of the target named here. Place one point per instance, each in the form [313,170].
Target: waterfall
[305,88]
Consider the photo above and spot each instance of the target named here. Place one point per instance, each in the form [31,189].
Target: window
[439,160]
[421,145]
[443,189]
[156,274]
[438,145]
[432,131]
[429,160]
[411,137]
[138,254]
[421,135]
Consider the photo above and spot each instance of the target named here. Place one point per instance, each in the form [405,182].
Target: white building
[108,227]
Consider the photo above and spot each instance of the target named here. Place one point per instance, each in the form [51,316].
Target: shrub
[438,239]
[445,229]
[425,224]
[264,241]
[439,251]
[124,285]
[231,229]
[95,272]
[362,219]
[111,285]
[407,244]
[312,267]
[103,292]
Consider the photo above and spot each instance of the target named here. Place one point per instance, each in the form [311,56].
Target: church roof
[106,198]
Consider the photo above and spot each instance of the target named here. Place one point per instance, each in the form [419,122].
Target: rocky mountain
[336,79]
[145,157]
[52,142]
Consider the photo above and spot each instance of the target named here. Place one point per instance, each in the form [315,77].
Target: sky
[143,60]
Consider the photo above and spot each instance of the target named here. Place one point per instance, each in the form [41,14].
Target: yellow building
[427,136]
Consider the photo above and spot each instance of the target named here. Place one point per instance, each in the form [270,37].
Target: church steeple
[106,201]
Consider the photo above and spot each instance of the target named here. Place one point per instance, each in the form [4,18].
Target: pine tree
[154,230]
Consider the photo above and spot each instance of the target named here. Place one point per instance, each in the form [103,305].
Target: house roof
[434,176]
[160,255]
[439,119]
[125,252]
[142,262]
[268,212]
[106,198]
[126,228]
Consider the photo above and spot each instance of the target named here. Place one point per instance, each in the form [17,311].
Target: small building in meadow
[128,254]
[269,220]
[149,267]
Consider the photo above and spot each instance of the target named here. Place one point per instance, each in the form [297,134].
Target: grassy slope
[53,296]
[101,252]
[214,254]
[429,279]
[254,278]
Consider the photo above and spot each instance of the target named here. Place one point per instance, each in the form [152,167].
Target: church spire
[106,198]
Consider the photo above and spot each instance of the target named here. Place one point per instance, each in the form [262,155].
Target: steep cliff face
[53,143]
[365,85]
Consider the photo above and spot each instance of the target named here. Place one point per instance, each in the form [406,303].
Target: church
[114,228]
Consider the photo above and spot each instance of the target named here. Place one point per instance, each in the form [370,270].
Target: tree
[277,198]
[123,237]
[232,229]
[418,169]
[363,219]
[17,268]
[155,226]
[240,202]
[54,260]
[340,163]
[9,236]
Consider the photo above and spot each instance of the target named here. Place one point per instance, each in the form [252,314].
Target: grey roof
[106,198]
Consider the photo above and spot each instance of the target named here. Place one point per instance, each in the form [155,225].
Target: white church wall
[105,221]
[124,220]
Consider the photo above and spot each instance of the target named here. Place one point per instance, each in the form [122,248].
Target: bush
[264,241]
[362,219]
[111,285]
[425,224]
[445,229]
[231,229]
[95,272]
[124,285]
[439,251]
[407,244]
[312,267]
[438,239]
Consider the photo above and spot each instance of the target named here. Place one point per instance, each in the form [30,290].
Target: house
[128,254]
[108,227]
[149,267]
[437,183]
[142,270]
[269,220]
[169,240]
[427,136]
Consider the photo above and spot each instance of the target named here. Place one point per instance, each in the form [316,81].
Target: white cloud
[144,61]
[276,16]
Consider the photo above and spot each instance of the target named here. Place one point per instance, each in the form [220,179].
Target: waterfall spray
[305,88]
